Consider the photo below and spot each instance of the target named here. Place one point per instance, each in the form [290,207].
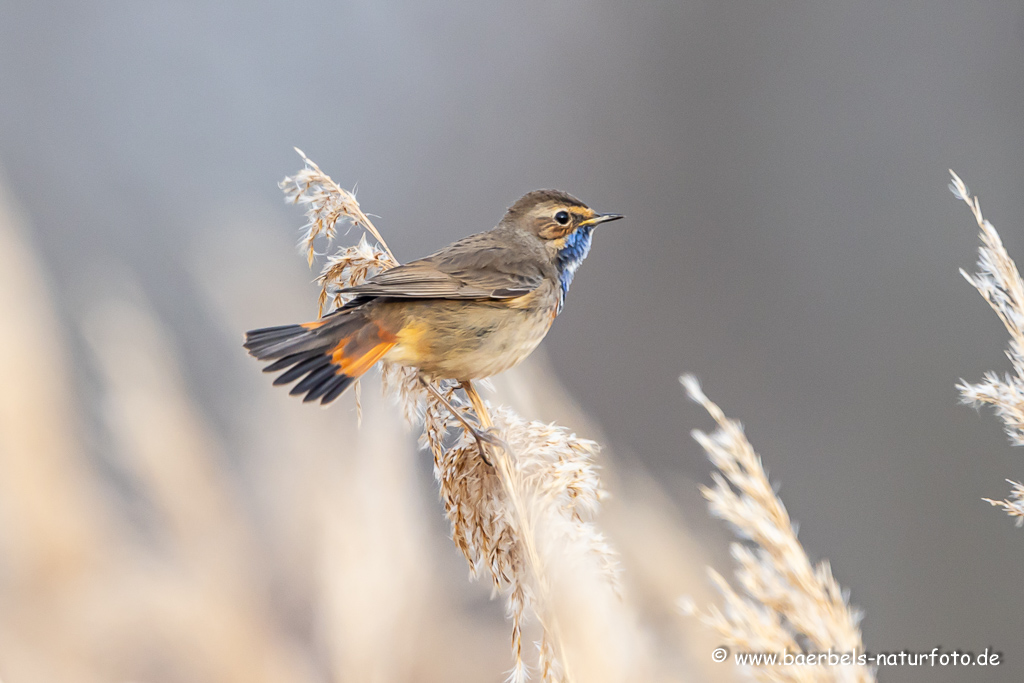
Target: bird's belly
[468,339]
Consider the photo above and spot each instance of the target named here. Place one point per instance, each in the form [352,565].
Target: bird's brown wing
[473,268]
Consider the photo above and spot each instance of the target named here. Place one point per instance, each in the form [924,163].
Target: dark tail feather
[329,354]
[275,342]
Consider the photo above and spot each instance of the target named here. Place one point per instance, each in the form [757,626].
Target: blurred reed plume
[85,595]
[150,533]
[789,604]
[999,282]
[512,521]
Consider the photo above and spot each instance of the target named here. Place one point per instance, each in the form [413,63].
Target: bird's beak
[602,218]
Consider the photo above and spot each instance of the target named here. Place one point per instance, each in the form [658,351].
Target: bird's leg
[483,416]
[480,436]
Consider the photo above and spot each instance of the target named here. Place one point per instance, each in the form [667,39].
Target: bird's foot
[490,437]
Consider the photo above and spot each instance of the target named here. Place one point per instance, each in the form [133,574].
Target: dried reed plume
[999,282]
[328,204]
[511,520]
[790,605]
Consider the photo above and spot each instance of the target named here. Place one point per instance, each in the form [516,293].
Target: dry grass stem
[1014,505]
[999,281]
[540,493]
[787,604]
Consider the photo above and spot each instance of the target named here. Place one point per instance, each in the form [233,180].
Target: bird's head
[563,223]
[553,215]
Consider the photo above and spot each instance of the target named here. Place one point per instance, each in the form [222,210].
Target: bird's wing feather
[473,268]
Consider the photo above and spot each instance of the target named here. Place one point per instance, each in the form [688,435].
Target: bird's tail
[328,354]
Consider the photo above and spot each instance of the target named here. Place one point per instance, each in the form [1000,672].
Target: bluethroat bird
[474,309]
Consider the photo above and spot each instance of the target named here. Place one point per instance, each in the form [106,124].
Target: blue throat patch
[577,246]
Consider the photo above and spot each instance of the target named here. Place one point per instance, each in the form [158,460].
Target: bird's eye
[562,217]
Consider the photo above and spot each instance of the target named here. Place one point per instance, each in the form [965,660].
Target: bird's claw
[488,436]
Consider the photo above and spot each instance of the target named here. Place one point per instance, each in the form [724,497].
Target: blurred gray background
[790,238]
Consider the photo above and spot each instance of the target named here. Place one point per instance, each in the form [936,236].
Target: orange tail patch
[357,353]
[328,354]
